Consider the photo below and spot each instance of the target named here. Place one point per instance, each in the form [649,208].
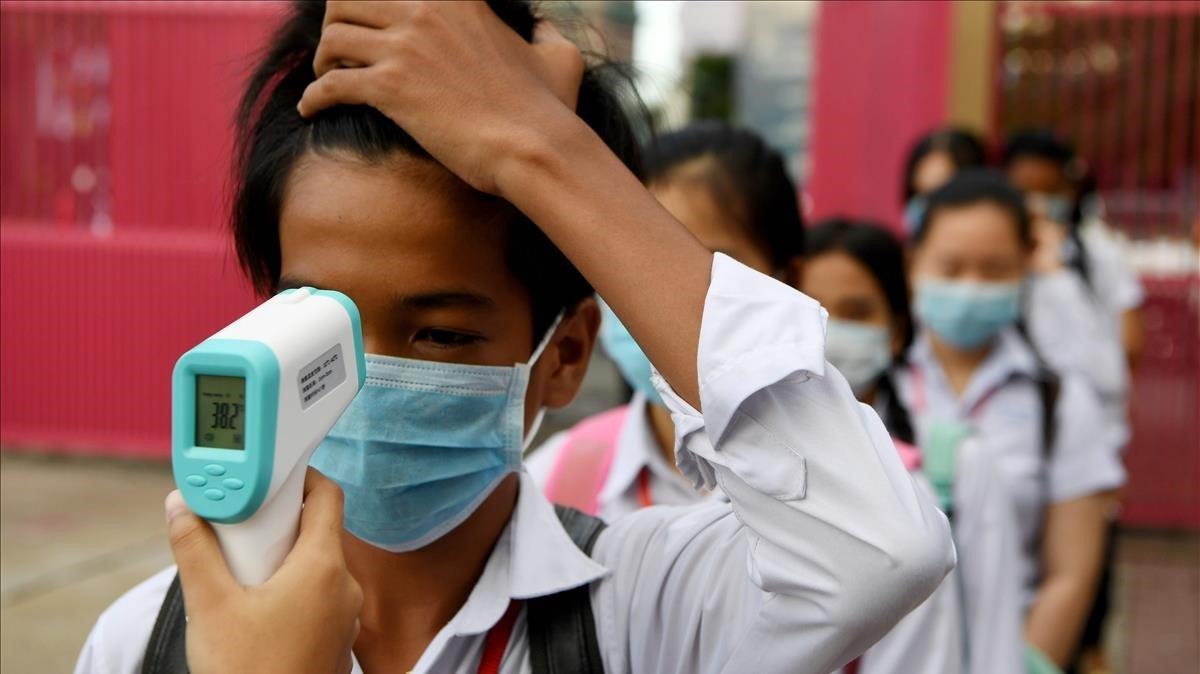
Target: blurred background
[115,139]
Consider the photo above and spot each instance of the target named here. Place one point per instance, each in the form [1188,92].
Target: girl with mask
[933,160]
[733,193]
[467,184]
[972,623]
[971,374]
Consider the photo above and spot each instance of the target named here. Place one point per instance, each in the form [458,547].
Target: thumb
[203,573]
[559,62]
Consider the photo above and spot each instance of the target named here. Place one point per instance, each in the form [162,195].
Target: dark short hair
[974,186]
[1039,144]
[963,147]
[748,180]
[272,136]
[876,249]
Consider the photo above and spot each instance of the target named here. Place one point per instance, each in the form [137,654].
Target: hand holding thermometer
[250,405]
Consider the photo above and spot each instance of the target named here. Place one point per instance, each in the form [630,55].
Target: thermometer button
[197,480]
[214,469]
[214,494]
[233,483]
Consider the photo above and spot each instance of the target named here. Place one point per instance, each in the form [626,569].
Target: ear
[568,353]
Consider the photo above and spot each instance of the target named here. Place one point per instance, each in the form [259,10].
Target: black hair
[272,136]
[747,178]
[963,147]
[1047,145]
[876,249]
[1040,144]
[973,186]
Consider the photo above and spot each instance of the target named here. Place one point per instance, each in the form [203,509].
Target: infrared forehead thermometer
[249,406]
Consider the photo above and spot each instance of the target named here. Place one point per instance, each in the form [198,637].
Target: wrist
[538,153]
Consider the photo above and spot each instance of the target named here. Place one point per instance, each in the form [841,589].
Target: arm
[828,542]
[513,133]
[1132,335]
[1072,551]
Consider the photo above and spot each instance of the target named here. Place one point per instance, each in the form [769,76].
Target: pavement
[77,533]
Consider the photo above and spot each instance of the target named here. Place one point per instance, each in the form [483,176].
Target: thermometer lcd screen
[220,411]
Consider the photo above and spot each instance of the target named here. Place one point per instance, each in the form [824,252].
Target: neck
[958,364]
[663,430]
[408,597]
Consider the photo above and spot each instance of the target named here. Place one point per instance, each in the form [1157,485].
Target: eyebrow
[434,299]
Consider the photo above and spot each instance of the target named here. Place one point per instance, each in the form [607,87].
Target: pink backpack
[583,463]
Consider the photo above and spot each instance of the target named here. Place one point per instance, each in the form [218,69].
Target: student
[733,193]
[972,623]
[1096,331]
[933,160]
[448,558]
[1083,305]
[971,373]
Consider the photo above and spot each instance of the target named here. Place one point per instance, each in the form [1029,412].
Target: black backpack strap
[562,630]
[1048,385]
[167,651]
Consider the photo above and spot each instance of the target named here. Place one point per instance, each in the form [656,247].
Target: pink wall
[104,281]
[881,81]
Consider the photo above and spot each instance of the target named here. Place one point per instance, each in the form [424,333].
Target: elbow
[915,565]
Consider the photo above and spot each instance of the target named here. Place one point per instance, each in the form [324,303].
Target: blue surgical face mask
[860,351]
[633,364]
[423,444]
[1051,206]
[914,210]
[967,314]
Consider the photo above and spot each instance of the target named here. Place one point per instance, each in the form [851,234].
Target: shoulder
[119,638]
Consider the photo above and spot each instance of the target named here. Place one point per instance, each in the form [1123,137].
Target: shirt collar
[1010,356]
[637,450]
[534,557]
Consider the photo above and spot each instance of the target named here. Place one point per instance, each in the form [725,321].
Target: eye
[443,338]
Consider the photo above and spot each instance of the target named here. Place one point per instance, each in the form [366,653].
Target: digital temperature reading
[220,412]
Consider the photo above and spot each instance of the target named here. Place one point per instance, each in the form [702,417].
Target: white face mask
[860,351]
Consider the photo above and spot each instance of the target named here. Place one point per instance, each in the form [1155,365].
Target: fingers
[560,62]
[369,14]
[340,86]
[345,44]
[202,569]
[321,517]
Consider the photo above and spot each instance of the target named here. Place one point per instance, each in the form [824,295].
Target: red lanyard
[643,487]
[916,378]
[497,640]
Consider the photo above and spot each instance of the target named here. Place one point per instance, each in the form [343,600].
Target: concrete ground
[76,533]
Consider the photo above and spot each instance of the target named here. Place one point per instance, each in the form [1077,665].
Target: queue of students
[816,422]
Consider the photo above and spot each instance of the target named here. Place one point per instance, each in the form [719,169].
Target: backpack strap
[561,627]
[583,463]
[167,651]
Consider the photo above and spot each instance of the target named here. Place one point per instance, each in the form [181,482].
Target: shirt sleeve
[1114,277]
[118,641]
[826,542]
[1086,458]
[1069,327]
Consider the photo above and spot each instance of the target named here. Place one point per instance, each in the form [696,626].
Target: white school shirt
[1076,333]
[974,621]
[1007,416]
[825,544]
[636,451]
[931,637]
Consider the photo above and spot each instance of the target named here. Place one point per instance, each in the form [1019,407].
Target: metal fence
[1121,80]
[115,122]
